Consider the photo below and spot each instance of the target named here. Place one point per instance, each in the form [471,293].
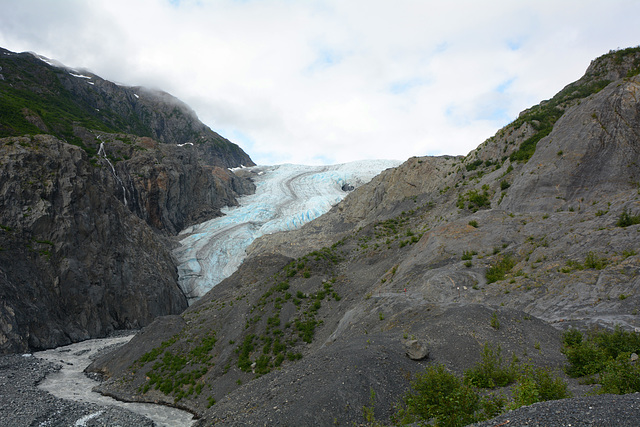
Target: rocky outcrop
[166,185]
[75,263]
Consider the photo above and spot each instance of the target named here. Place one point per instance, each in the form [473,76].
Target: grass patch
[499,268]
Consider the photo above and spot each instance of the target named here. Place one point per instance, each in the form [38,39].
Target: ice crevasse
[286,197]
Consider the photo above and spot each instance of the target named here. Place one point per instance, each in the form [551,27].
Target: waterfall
[103,154]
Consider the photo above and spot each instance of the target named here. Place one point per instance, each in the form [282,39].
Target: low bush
[440,395]
[626,219]
[467,255]
[592,260]
[605,353]
[491,372]
[474,200]
[537,385]
[497,270]
[620,375]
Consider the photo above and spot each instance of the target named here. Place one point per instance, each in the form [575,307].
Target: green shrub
[584,359]
[620,375]
[618,341]
[474,165]
[492,405]
[593,261]
[306,329]
[538,385]
[495,323]
[476,200]
[244,350]
[467,255]
[499,268]
[440,395]
[210,401]
[491,372]
[473,223]
[591,354]
[626,219]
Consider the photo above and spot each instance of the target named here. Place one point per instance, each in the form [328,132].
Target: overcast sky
[304,81]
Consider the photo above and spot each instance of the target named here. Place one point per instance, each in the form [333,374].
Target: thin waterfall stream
[102,153]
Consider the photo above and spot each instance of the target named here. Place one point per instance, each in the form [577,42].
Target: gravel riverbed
[50,388]
[22,403]
[607,410]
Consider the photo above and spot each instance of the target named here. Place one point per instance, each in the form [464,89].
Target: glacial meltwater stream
[71,383]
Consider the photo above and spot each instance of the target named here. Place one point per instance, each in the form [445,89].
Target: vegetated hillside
[536,228]
[89,207]
[37,97]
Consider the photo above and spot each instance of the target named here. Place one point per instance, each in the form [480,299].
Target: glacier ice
[286,197]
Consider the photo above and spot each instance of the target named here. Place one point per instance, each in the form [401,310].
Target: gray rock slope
[526,229]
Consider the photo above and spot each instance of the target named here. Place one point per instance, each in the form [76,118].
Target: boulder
[416,349]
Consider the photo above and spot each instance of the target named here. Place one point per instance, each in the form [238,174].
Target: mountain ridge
[87,99]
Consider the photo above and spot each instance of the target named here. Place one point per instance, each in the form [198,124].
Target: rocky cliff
[536,228]
[92,187]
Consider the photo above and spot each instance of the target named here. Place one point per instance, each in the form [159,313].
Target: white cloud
[333,81]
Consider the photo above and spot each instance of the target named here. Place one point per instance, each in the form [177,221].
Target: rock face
[90,198]
[500,246]
[75,262]
[166,185]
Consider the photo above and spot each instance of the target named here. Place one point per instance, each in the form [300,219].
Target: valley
[300,295]
[286,198]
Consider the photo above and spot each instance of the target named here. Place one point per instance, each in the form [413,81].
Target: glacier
[287,197]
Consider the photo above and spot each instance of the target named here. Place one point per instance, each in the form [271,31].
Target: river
[71,383]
